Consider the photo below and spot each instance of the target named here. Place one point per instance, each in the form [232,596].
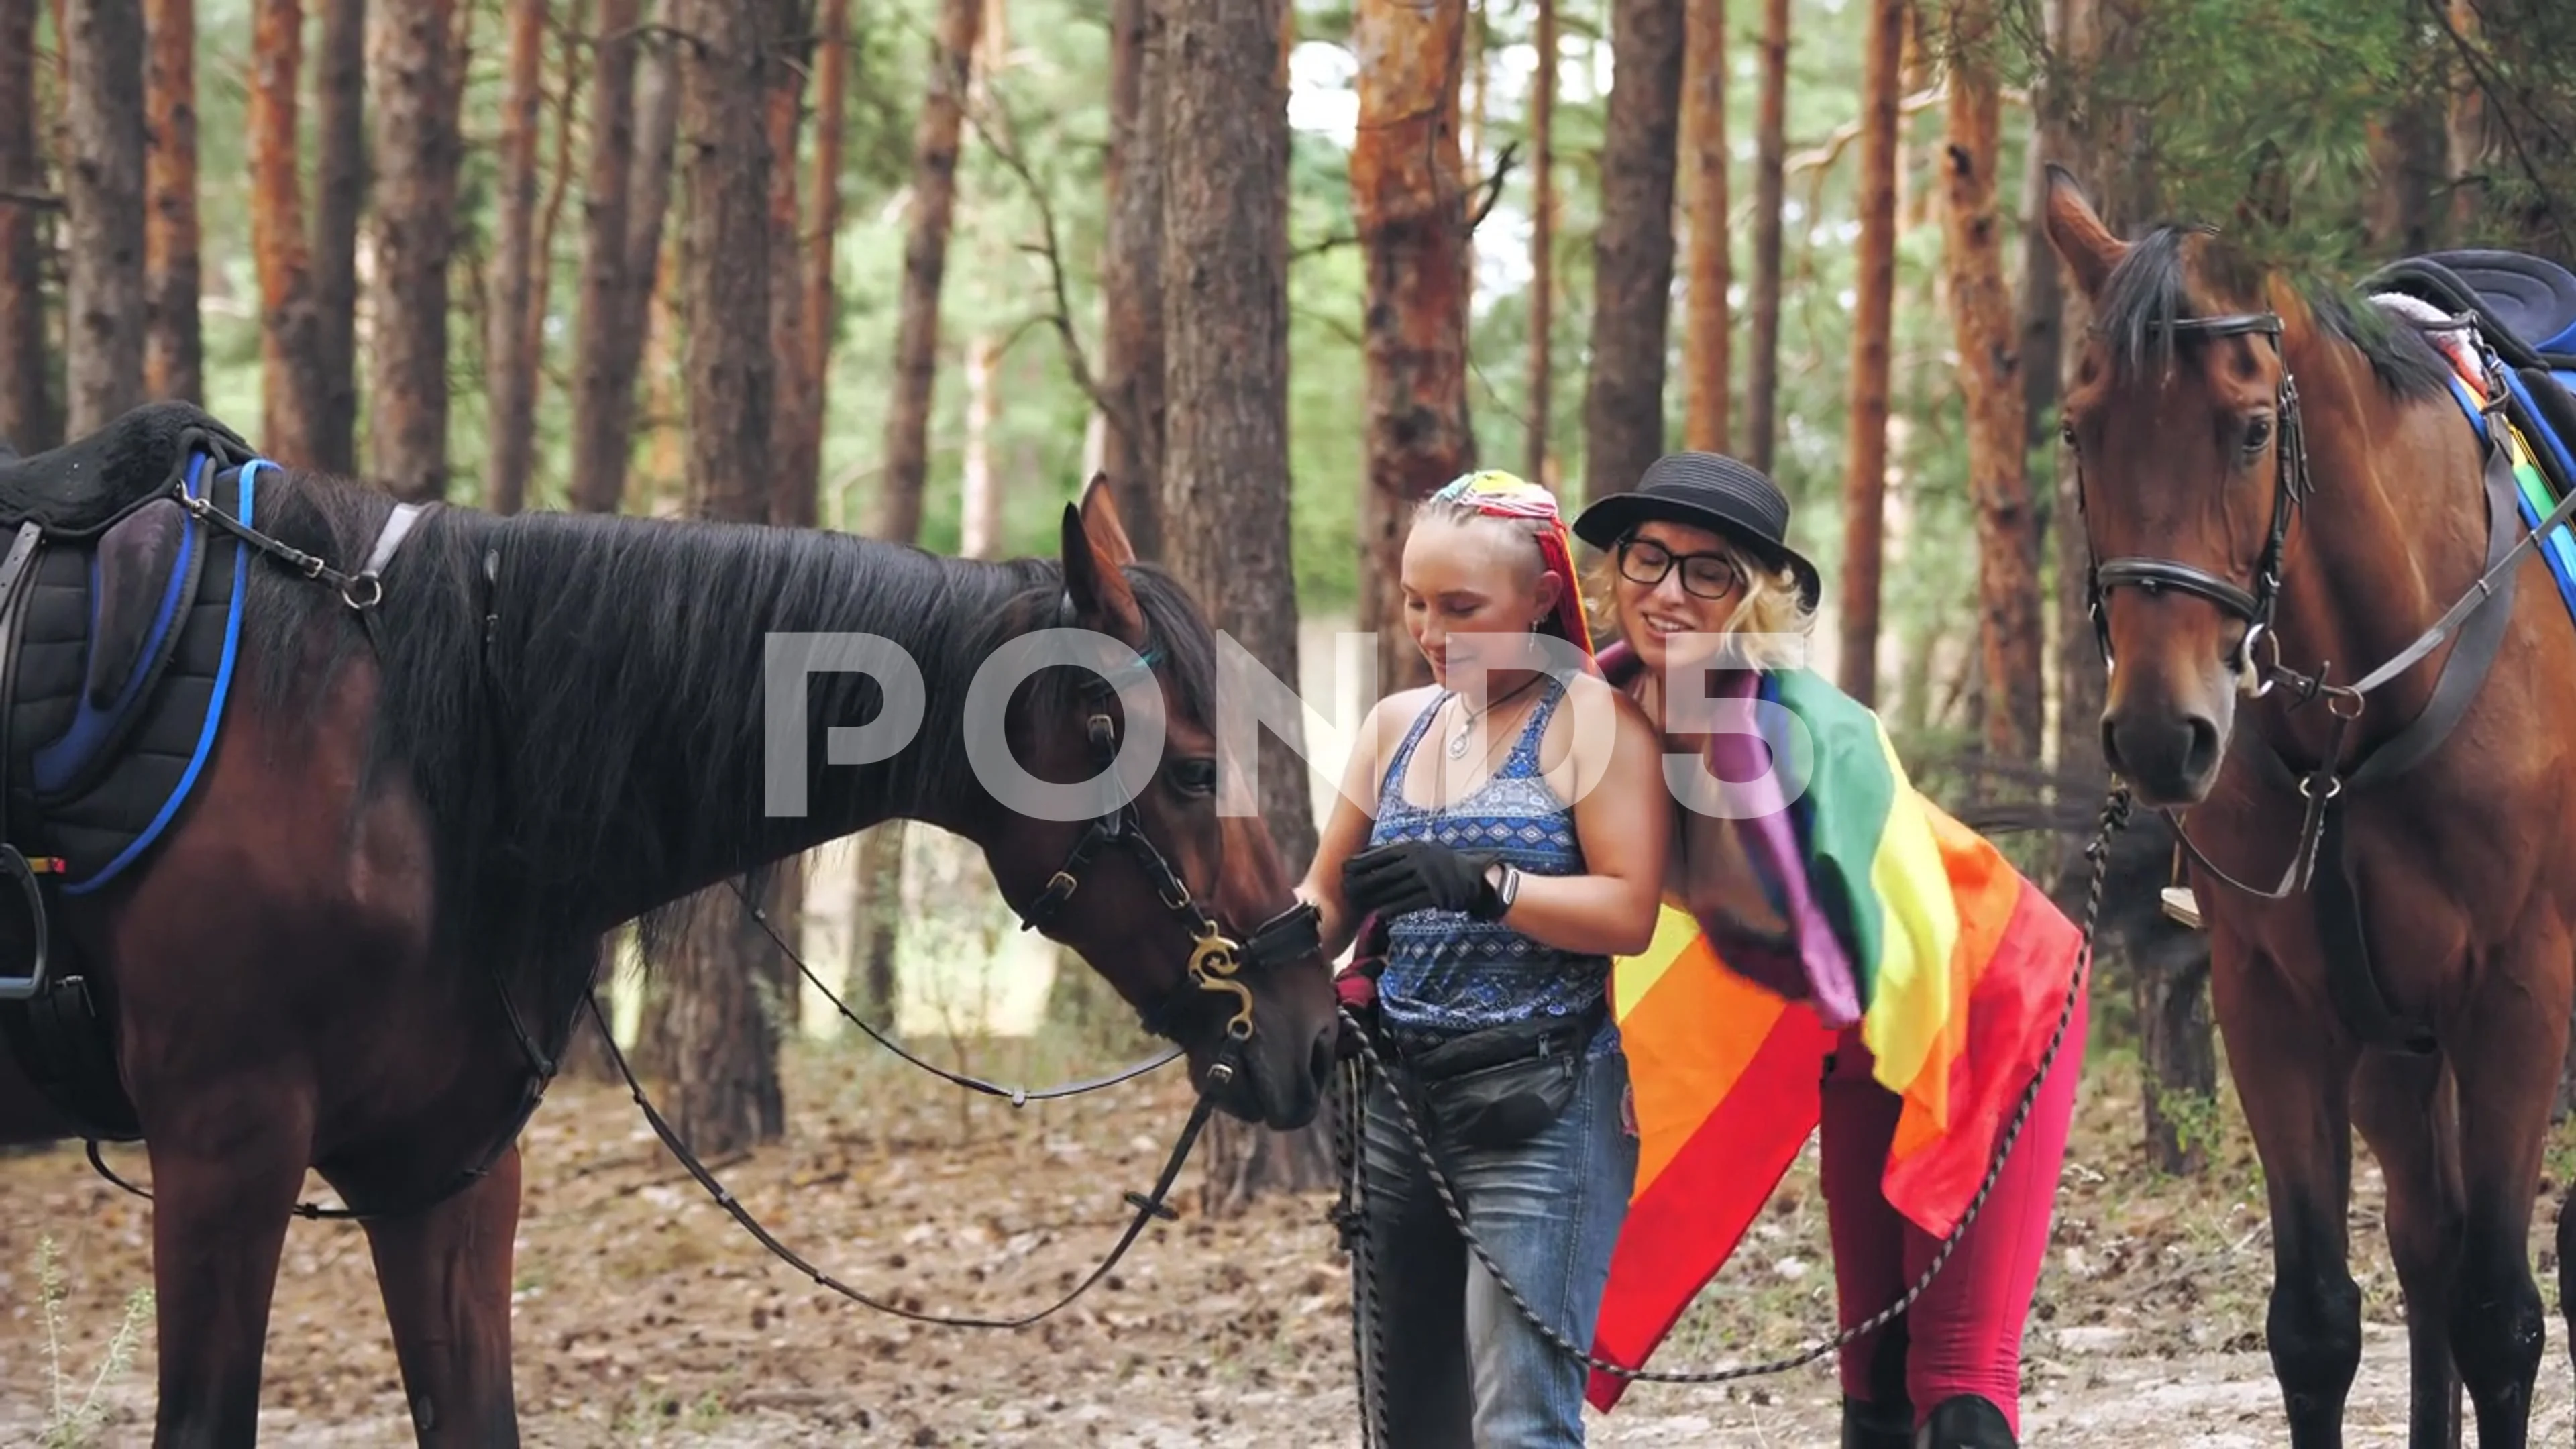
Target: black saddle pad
[124,659]
[78,489]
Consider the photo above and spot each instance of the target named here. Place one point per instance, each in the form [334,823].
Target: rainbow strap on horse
[1891,914]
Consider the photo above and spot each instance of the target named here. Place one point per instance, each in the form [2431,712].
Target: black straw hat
[1712,491]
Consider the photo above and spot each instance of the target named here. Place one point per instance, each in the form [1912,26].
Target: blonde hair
[1772,606]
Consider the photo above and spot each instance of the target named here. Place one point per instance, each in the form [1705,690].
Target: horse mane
[2151,289]
[624,650]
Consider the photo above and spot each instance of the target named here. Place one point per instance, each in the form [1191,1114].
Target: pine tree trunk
[1541,383]
[720,997]
[2116,143]
[792,495]
[1981,308]
[2408,148]
[831,114]
[1131,273]
[103,201]
[2464,132]
[1225,479]
[27,419]
[936,135]
[413,78]
[610,311]
[979,486]
[2043,279]
[925,262]
[1865,448]
[1632,270]
[174,352]
[510,359]
[290,377]
[1770,151]
[1409,201]
[572,50]
[1706,367]
[339,203]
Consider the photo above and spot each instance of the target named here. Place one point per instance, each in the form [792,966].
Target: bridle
[2290,489]
[1217,964]
[2477,617]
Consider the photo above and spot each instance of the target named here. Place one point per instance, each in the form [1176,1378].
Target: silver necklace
[1467,718]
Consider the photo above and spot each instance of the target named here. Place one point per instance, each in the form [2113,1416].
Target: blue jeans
[1454,1361]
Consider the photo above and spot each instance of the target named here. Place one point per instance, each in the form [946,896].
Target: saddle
[120,619]
[2520,366]
[76,491]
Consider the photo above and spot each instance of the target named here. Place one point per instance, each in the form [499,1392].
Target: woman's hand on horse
[1417,875]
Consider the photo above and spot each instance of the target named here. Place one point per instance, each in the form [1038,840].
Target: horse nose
[2170,759]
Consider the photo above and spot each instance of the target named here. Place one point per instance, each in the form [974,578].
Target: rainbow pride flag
[1858,903]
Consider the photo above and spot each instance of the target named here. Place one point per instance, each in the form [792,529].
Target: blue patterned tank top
[1448,973]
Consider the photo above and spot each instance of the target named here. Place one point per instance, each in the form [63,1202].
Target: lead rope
[2115,816]
[1350,1214]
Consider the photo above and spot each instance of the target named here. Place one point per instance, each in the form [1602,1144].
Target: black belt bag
[1502,1086]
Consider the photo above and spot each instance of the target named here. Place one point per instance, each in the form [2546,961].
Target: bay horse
[2283,501]
[361,945]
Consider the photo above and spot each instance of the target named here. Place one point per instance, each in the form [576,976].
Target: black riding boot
[1966,1422]
[1877,1426]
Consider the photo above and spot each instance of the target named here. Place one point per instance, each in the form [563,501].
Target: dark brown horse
[419,822]
[2283,500]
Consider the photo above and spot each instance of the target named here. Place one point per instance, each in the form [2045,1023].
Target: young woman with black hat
[1706,590]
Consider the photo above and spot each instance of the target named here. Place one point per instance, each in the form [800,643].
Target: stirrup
[2182,906]
[16,869]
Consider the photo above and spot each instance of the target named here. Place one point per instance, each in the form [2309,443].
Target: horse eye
[1194,777]
[2258,431]
[2066,432]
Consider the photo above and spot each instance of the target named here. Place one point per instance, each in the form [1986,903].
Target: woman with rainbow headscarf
[1506,826]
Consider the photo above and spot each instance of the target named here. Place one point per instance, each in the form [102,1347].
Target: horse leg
[2295,1088]
[2515,1035]
[445,1274]
[2404,1113]
[223,1191]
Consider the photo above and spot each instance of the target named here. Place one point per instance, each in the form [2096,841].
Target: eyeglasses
[1709,575]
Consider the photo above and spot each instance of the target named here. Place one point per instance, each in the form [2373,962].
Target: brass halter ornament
[1217,962]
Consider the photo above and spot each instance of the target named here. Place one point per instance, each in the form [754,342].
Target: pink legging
[1963,1336]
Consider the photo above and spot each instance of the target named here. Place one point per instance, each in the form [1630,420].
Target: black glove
[1419,875]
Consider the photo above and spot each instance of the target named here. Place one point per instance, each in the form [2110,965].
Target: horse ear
[2075,229]
[1100,519]
[2267,191]
[1092,580]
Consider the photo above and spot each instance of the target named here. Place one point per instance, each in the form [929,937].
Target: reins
[1348,1212]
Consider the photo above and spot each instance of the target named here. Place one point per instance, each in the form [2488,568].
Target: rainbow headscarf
[1508,495]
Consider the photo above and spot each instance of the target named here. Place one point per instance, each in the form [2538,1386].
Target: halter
[1217,963]
[2290,489]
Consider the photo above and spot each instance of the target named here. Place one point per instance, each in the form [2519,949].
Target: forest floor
[645,1316]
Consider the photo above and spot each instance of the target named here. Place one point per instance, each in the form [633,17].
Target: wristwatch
[1502,887]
